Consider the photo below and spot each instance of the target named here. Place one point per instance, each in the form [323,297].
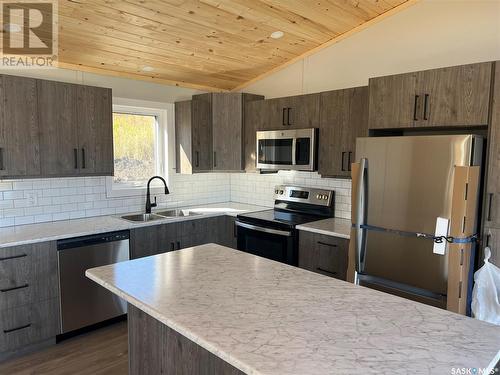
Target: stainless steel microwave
[287,149]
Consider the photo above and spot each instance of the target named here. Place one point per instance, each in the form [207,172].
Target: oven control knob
[281,192]
[277,191]
[318,196]
[325,197]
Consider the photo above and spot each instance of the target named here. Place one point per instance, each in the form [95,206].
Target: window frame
[163,144]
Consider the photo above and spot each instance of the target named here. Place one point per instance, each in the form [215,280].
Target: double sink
[161,215]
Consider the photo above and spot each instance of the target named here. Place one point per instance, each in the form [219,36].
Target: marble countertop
[331,227]
[265,317]
[56,230]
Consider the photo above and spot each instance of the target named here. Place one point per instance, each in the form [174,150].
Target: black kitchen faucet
[149,205]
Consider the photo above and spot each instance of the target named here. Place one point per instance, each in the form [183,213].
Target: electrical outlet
[32,199]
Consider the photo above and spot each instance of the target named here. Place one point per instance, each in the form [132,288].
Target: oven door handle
[265,230]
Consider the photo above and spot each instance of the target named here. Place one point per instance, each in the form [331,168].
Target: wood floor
[101,352]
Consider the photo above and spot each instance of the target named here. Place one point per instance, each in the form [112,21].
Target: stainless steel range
[272,234]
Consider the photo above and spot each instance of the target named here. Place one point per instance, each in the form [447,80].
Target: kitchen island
[213,310]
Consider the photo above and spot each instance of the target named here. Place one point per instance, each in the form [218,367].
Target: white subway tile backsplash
[255,188]
[78,197]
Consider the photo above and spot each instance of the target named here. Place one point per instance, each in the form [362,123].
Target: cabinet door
[492,198]
[183,146]
[332,147]
[202,132]
[254,121]
[455,96]
[58,127]
[344,117]
[154,239]
[357,126]
[302,111]
[491,238]
[393,101]
[95,130]
[227,123]
[19,132]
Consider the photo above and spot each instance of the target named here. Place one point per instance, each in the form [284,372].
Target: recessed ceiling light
[148,69]
[277,34]
[12,28]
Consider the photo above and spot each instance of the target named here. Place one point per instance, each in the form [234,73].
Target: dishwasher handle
[92,240]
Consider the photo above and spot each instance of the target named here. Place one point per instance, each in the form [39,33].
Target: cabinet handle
[215,159]
[343,157]
[172,246]
[14,257]
[415,118]
[17,328]
[178,245]
[2,166]
[75,154]
[14,288]
[488,237]
[325,271]
[288,113]
[490,202]
[327,244]
[83,158]
[197,158]
[426,102]
[349,155]
[283,117]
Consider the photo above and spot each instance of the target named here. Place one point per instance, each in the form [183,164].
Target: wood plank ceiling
[207,44]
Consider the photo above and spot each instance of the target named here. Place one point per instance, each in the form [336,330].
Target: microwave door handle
[294,151]
[361,209]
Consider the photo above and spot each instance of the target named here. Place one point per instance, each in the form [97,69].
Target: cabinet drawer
[322,254]
[28,324]
[28,273]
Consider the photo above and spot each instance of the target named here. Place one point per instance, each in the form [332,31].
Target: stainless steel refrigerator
[405,184]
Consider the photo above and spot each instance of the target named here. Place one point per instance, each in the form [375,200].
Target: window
[134,146]
[140,148]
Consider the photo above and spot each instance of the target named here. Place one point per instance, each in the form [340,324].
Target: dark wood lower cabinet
[155,349]
[29,297]
[322,254]
[157,239]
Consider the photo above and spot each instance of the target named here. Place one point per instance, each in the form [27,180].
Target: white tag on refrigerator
[442,225]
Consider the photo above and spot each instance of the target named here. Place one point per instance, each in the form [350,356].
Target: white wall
[429,34]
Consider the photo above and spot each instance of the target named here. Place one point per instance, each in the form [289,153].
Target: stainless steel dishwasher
[83,302]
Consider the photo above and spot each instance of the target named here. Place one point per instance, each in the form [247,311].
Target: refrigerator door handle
[361,208]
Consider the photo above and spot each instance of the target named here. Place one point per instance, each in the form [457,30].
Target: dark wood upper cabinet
[343,118]
[302,111]
[447,97]
[58,129]
[292,112]
[19,133]
[50,129]
[183,141]
[76,129]
[211,132]
[227,125]
[255,119]
[492,197]
[201,127]
[455,96]
[95,130]
[392,101]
